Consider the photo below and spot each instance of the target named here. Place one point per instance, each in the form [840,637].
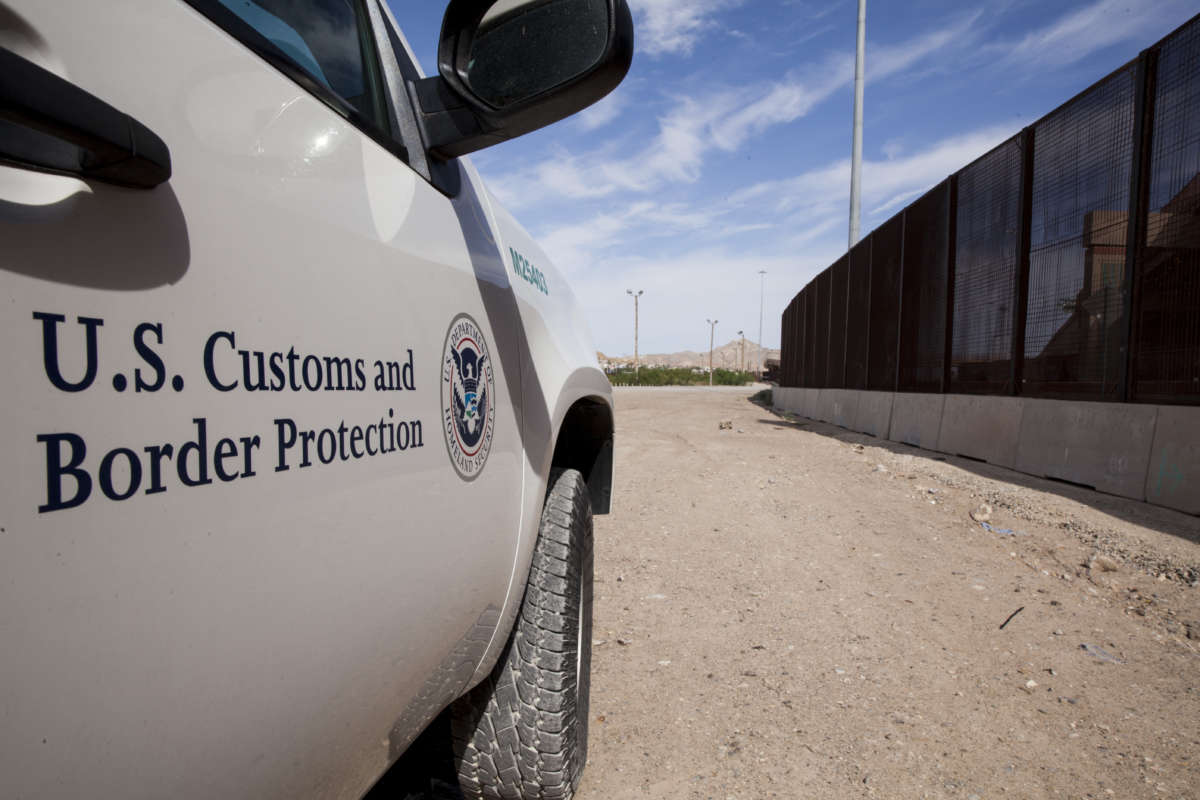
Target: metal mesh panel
[887,244]
[785,345]
[792,343]
[1167,344]
[814,367]
[821,334]
[793,338]
[797,338]
[858,300]
[985,271]
[789,347]
[1075,321]
[878,317]
[809,334]
[923,293]
[801,331]
[835,368]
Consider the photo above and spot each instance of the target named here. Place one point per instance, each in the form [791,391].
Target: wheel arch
[585,443]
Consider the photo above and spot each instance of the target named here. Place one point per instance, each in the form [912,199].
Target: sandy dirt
[787,609]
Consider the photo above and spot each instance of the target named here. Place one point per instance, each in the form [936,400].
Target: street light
[712,332]
[856,143]
[762,282]
[635,330]
[742,353]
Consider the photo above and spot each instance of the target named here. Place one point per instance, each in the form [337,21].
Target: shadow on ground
[1165,520]
[425,771]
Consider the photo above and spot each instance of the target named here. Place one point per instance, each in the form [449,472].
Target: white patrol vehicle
[302,433]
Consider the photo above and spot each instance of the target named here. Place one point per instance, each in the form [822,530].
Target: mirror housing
[486,36]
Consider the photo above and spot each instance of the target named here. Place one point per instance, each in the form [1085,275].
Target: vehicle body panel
[286,631]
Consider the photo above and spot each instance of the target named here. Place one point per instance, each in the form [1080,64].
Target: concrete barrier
[796,400]
[917,419]
[983,427]
[785,398]
[1138,451]
[1173,473]
[804,403]
[1104,445]
[820,407]
[842,406]
[874,414]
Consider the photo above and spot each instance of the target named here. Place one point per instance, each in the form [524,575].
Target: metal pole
[856,149]
[762,282]
[635,330]
[712,332]
[742,353]
[1139,204]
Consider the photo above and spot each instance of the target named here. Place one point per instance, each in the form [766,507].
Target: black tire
[522,733]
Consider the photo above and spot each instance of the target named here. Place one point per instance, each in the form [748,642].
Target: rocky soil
[784,609]
[787,609]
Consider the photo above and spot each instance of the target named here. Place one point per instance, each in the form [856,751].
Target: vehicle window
[328,39]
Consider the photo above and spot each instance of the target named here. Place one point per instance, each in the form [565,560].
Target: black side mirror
[509,67]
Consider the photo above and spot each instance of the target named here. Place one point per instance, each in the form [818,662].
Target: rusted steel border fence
[1021,273]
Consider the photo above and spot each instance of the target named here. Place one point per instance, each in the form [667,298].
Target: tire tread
[522,733]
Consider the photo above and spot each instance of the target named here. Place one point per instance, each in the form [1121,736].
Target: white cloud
[578,247]
[886,184]
[819,12]
[679,296]
[895,202]
[722,120]
[1078,34]
[562,177]
[674,26]
[601,113]
[884,60]
[779,104]
[638,245]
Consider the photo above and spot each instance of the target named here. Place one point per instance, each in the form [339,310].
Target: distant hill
[727,356]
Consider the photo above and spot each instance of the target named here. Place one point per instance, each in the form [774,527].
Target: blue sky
[727,148]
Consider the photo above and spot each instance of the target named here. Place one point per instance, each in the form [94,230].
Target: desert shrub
[678,376]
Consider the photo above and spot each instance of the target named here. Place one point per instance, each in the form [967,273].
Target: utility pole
[762,282]
[742,353]
[856,147]
[635,330]
[712,332]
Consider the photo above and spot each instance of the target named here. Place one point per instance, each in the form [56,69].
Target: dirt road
[786,609]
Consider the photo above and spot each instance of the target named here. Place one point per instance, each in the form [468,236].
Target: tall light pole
[762,283]
[856,147]
[712,332]
[635,330]
[742,353]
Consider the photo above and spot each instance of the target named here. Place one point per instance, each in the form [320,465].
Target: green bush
[679,376]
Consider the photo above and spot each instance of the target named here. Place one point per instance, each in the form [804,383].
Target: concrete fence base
[1144,452]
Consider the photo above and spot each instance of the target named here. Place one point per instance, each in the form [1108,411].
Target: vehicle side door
[264,463]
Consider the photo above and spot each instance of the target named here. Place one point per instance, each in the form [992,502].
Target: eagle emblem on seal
[470,395]
[468,391]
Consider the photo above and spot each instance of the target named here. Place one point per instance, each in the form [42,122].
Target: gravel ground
[787,609]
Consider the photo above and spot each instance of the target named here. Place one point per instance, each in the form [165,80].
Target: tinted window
[328,39]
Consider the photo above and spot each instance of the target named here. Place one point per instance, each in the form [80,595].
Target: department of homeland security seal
[468,397]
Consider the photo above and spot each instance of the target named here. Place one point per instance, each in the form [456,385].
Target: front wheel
[522,733]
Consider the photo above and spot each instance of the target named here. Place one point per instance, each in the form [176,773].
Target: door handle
[49,124]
